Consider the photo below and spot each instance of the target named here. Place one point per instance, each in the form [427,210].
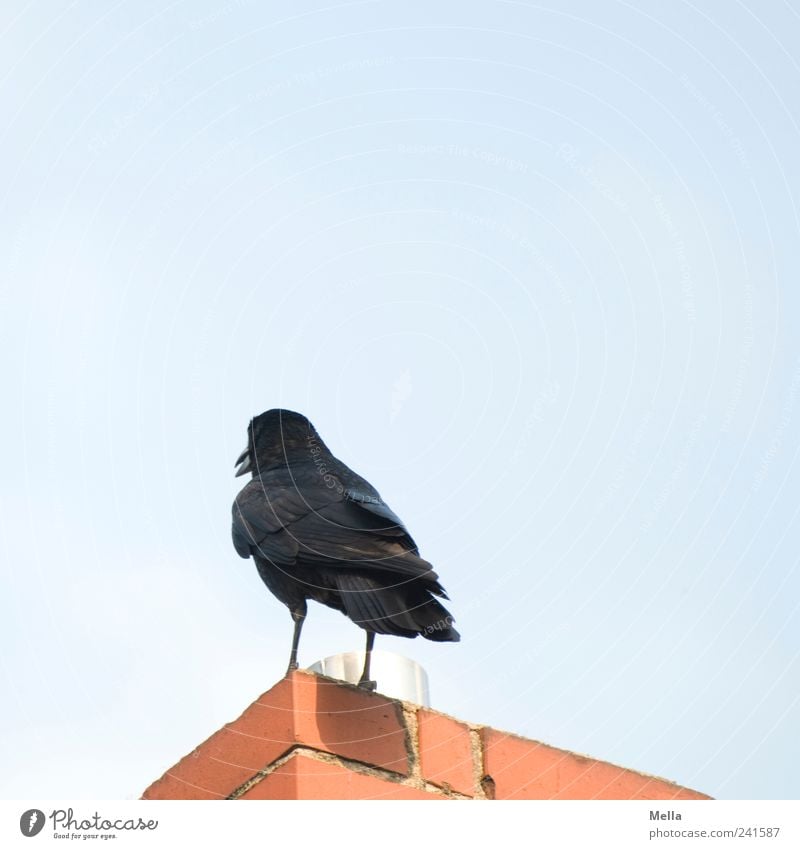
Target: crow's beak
[244,460]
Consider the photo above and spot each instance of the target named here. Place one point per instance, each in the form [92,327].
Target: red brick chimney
[311,737]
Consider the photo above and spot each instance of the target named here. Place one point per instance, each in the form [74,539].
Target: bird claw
[368,685]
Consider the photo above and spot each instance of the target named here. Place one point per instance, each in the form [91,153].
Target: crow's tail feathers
[403,610]
[436,622]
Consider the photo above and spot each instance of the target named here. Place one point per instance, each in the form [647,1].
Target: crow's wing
[289,515]
[389,523]
[267,505]
[365,496]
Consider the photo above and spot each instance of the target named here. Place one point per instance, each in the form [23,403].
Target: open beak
[244,460]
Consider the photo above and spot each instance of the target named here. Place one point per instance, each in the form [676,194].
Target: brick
[445,751]
[347,721]
[525,769]
[304,777]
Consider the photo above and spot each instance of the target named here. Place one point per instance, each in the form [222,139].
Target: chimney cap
[396,675]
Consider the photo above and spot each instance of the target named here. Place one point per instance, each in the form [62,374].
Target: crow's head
[276,437]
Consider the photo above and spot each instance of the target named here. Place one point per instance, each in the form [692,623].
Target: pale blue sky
[531,270]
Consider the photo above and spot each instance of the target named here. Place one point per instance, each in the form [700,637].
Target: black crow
[317,530]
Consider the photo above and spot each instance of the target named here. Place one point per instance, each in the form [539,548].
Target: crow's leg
[364,682]
[299,615]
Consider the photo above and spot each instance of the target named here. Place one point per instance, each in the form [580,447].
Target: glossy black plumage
[319,531]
